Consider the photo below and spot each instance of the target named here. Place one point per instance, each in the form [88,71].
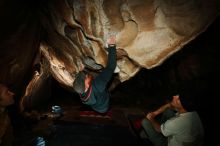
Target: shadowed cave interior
[196,64]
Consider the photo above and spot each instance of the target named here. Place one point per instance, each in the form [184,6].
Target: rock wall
[71,34]
[147,32]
